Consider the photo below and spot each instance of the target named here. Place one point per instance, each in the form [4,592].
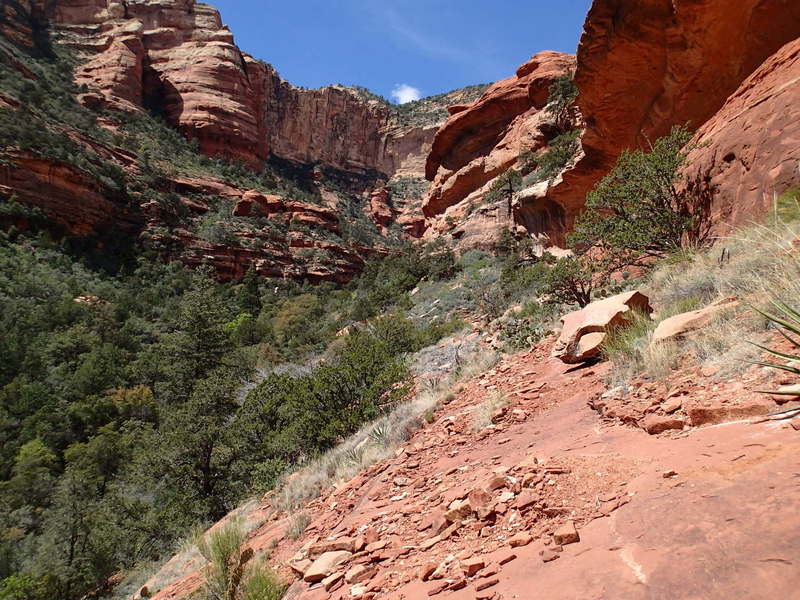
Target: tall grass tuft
[230,575]
[754,263]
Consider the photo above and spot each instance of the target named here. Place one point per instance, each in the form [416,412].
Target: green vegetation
[787,321]
[758,258]
[562,96]
[232,574]
[547,165]
[432,110]
[639,211]
[121,419]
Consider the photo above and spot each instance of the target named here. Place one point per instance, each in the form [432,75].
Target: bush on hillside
[639,210]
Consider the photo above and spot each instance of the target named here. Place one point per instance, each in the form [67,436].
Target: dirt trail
[702,513]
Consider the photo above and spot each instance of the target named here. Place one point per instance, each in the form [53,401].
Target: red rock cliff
[176,57]
[482,140]
[645,66]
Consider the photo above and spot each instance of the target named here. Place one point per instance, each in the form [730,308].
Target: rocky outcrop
[483,140]
[749,152]
[76,203]
[643,67]
[177,58]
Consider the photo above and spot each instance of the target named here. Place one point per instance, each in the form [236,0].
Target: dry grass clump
[232,574]
[482,416]
[376,441]
[631,351]
[298,525]
[754,264]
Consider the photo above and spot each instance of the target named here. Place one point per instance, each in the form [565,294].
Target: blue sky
[430,46]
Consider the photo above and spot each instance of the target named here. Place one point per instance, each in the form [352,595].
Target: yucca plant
[787,322]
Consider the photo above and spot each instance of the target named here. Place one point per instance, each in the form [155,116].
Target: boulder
[593,322]
[685,324]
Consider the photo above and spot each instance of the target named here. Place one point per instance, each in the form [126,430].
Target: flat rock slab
[325,565]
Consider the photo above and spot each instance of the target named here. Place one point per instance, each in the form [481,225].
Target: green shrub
[548,164]
[231,574]
[562,95]
[639,209]
[571,280]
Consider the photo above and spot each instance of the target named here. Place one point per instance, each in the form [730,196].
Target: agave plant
[787,321]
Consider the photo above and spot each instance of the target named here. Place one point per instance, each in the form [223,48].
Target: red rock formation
[643,67]
[177,57]
[75,202]
[749,151]
[479,142]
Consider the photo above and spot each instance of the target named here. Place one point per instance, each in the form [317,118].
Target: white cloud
[402,93]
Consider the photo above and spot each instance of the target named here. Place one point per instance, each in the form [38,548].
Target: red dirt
[706,512]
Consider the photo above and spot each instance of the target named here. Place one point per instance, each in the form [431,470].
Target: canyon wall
[481,141]
[175,57]
[643,67]
[728,70]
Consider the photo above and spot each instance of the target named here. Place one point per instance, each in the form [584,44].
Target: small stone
[487,583]
[438,588]
[521,539]
[506,497]
[426,570]
[325,565]
[324,546]
[495,483]
[360,573]
[506,557]
[548,555]
[458,584]
[300,566]
[472,566]
[525,499]
[333,581]
[375,546]
[668,474]
[654,424]
[566,534]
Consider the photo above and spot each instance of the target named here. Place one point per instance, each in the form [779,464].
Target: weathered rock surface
[749,151]
[593,322]
[585,506]
[76,203]
[481,141]
[325,565]
[643,67]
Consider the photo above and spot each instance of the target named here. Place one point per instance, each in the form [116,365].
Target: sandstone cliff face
[76,203]
[749,151]
[643,67]
[483,140]
[176,57]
